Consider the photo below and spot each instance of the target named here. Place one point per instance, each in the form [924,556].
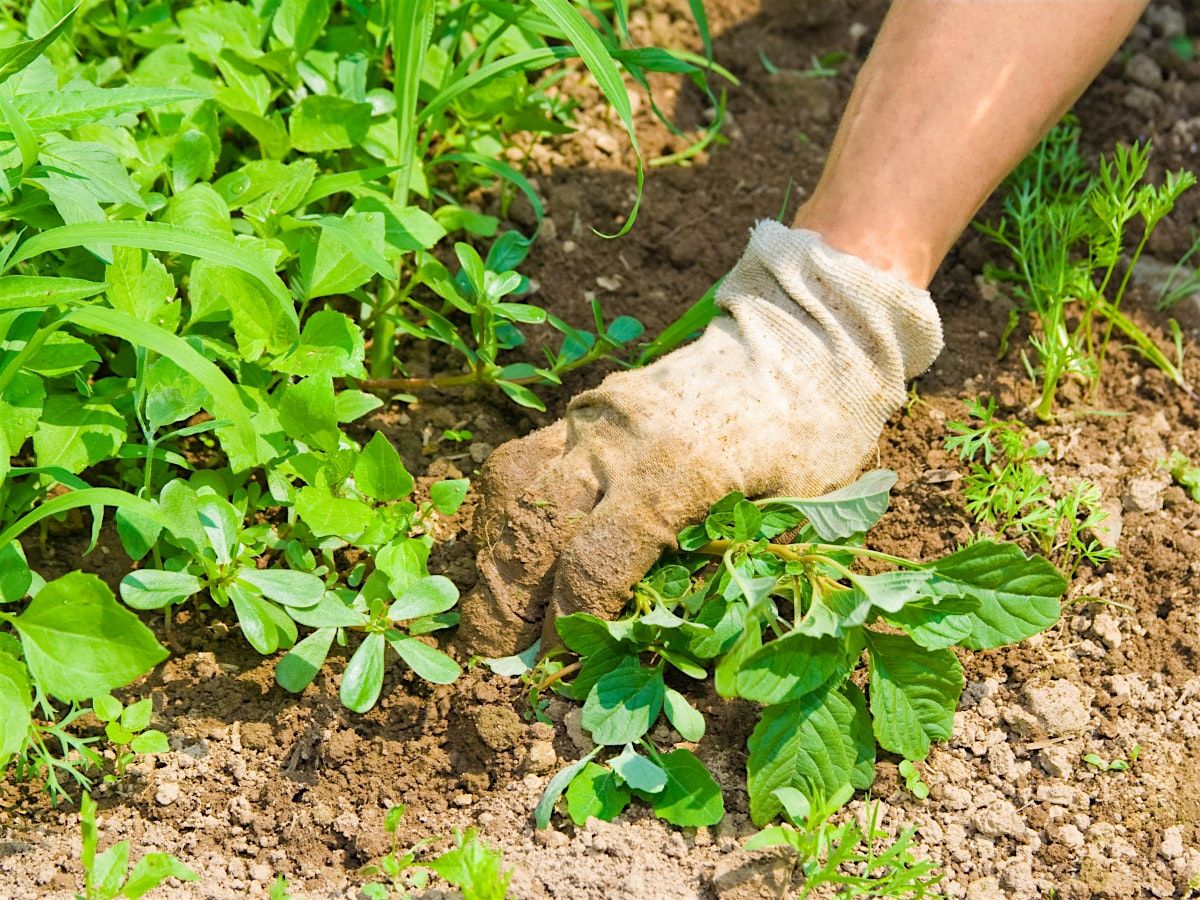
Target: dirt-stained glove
[785,395]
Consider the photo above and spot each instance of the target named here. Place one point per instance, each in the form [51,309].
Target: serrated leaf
[806,744]
[914,693]
[624,704]
[788,668]
[1018,595]
[379,473]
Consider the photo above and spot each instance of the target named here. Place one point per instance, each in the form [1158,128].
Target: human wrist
[890,246]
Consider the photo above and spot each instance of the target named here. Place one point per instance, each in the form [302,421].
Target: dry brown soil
[259,783]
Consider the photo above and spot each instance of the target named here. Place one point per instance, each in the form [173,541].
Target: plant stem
[805,552]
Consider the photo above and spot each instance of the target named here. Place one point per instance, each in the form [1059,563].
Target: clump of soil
[260,783]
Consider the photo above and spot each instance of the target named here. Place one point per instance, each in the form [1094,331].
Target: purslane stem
[805,552]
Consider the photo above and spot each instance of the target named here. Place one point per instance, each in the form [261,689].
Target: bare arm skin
[953,95]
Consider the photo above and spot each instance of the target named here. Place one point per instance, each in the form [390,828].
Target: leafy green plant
[913,780]
[470,865]
[1007,494]
[785,625]
[828,855]
[1186,475]
[222,223]
[1120,764]
[128,729]
[1066,230]
[108,876]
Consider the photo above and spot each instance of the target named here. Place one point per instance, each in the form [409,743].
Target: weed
[470,865]
[913,780]
[1186,475]
[830,855]
[127,729]
[1119,764]
[108,875]
[1013,499]
[784,625]
[222,224]
[1066,230]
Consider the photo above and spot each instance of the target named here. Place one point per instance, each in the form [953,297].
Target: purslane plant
[770,599]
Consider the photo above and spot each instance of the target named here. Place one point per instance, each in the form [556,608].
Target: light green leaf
[75,433]
[306,411]
[638,773]
[789,668]
[79,642]
[379,473]
[447,496]
[15,577]
[684,717]
[914,693]
[330,345]
[596,793]
[1018,595]
[545,805]
[25,291]
[322,123]
[16,705]
[329,612]
[264,625]
[432,665]
[46,111]
[17,56]
[805,744]
[154,589]
[624,704]
[290,588]
[691,797]
[424,597]
[152,870]
[329,515]
[300,665]
[850,510]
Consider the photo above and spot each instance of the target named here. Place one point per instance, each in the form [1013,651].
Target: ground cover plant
[1067,230]
[224,222]
[770,599]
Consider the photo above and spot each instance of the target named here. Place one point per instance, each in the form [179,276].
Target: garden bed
[260,783]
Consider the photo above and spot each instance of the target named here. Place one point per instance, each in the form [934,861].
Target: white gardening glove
[785,395]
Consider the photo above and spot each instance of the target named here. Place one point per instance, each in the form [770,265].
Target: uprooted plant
[773,599]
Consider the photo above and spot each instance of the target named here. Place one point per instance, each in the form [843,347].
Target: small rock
[1069,835]
[1059,706]
[1107,629]
[569,246]
[985,889]
[1055,762]
[1058,794]
[1142,69]
[499,727]
[1143,495]
[573,722]
[1142,101]
[541,758]
[1166,20]
[548,837]
[256,735]
[463,800]
[608,282]
[1108,532]
[1172,843]
[940,476]
[480,451]
[166,794]
[998,819]
[260,872]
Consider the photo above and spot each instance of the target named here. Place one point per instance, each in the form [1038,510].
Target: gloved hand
[785,395]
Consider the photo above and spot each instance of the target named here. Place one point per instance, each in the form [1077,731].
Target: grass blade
[16,57]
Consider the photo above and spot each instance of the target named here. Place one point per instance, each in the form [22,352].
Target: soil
[260,783]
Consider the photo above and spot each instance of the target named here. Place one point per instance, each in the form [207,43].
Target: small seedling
[127,729]
[108,875]
[844,857]
[1116,765]
[470,865]
[783,625]
[1186,475]
[458,436]
[912,779]
[1007,493]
